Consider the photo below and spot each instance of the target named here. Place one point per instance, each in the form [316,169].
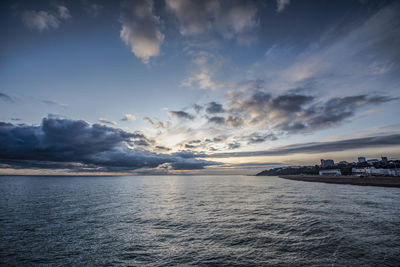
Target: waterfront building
[330,172]
[372,171]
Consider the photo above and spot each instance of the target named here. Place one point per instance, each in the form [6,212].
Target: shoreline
[353,180]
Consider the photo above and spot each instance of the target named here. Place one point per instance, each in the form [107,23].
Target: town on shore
[361,168]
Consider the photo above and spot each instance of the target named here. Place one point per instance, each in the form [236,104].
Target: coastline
[353,180]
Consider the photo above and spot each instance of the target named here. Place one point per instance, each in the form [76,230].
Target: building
[385,160]
[372,171]
[330,172]
[361,159]
[327,163]
[372,161]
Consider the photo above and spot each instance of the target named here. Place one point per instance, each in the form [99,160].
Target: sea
[195,221]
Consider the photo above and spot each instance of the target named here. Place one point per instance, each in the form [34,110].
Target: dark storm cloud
[214,107]
[73,144]
[320,147]
[33,164]
[6,98]
[181,114]
[191,164]
[188,154]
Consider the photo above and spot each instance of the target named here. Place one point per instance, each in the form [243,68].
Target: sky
[196,87]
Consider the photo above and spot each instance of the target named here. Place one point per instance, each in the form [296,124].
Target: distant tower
[384,160]
[361,159]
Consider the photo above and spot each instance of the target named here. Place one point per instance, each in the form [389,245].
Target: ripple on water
[196,220]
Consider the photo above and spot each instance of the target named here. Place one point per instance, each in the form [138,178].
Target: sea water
[196,220]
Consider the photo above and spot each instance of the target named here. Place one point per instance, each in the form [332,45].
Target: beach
[353,180]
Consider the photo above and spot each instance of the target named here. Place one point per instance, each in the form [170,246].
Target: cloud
[141,142]
[93,9]
[217,120]
[141,29]
[320,147]
[205,66]
[281,5]
[189,146]
[255,138]
[197,108]
[256,165]
[181,115]
[6,98]
[63,12]
[214,107]
[359,57]
[191,164]
[104,120]
[229,19]
[254,107]
[157,124]
[294,113]
[45,20]
[54,103]
[40,20]
[337,109]
[234,145]
[234,121]
[128,117]
[79,146]
[162,148]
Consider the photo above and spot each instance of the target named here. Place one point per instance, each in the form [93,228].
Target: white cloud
[63,12]
[45,20]
[128,117]
[281,5]
[362,59]
[41,20]
[141,29]
[104,120]
[230,19]
[206,64]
